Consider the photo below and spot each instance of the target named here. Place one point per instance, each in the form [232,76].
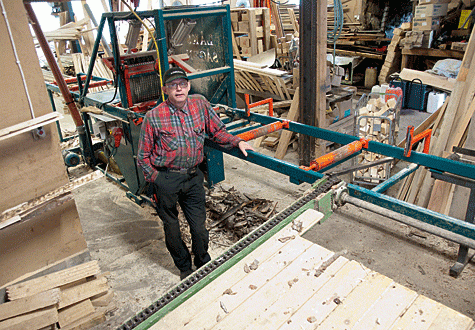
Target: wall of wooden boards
[30,168]
[34,244]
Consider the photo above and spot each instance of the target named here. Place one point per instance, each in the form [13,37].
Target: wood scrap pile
[231,215]
[392,62]
[73,298]
[376,121]
[450,127]
[256,79]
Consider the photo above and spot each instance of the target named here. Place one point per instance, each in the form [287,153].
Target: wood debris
[230,215]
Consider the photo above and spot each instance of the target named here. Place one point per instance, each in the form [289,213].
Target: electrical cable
[17,59]
[155,43]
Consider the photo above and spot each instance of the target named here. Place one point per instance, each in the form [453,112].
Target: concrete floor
[127,240]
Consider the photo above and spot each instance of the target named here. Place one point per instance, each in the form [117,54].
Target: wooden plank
[427,123]
[214,290]
[35,320]
[327,298]
[29,125]
[245,287]
[287,135]
[353,306]
[75,312]
[53,280]
[296,295]
[428,79]
[188,68]
[419,315]
[387,309]
[450,319]
[28,304]
[273,289]
[83,291]
[87,322]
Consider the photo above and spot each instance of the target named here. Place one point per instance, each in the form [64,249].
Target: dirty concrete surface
[127,240]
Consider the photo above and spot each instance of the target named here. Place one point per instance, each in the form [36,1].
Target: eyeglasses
[182,84]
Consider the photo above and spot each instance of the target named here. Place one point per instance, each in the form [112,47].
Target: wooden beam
[29,304]
[287,135]
[35,320]
[83,291]
[53,280]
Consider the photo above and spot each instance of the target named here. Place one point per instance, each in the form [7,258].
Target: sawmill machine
[194,38]
[199,40]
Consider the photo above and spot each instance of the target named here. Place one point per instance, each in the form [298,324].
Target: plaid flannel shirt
[174,138]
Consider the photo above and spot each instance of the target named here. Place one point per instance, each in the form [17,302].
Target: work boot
[185,274]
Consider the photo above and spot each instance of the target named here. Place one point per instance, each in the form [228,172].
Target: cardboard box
[425,24]
[345,108]
[429,2]
[434,10]
[462,46]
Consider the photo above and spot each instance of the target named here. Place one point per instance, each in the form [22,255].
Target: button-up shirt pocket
[168,140]
[199,133]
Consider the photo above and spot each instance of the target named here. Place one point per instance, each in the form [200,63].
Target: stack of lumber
[73,298]
[451,128]
[82,62]
[252,78]
[392,62]
[251,28]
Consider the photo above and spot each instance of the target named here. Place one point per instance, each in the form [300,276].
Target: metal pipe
[395,178]
[409,221]
[53,66]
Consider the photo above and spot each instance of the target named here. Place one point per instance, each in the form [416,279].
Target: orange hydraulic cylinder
[335,156]
[264,130]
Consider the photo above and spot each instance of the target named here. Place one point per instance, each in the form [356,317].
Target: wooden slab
[29,304]
[53,280]
[35,320]
[73,313]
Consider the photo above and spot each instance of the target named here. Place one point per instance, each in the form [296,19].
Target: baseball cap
[174,73]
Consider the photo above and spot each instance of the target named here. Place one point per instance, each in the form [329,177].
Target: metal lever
[411,140]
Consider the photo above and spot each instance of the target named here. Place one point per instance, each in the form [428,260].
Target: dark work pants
[187,190]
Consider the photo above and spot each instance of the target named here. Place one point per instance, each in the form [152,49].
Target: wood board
[288,285]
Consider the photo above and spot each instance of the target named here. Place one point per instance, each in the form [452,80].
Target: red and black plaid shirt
[174,138]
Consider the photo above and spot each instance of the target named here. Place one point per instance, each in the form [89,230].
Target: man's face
[177,91]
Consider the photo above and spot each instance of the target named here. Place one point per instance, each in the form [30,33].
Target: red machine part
[117,133]
[264,130]
[337,155]
[255,104]
[411,140]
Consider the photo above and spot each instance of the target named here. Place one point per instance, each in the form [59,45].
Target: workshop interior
[286,81]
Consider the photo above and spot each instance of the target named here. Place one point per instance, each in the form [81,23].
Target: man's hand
[243,146]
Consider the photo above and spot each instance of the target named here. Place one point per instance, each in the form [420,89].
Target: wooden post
[312,73]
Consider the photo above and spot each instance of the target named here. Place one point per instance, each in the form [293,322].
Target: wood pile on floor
[256,79]
[230,215]
[451,126]
[74,298]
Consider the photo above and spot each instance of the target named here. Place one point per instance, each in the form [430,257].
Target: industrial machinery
[198,40]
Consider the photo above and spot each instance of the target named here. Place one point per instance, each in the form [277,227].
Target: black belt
[191,170]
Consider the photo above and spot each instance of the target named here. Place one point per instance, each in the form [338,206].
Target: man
[170,150]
